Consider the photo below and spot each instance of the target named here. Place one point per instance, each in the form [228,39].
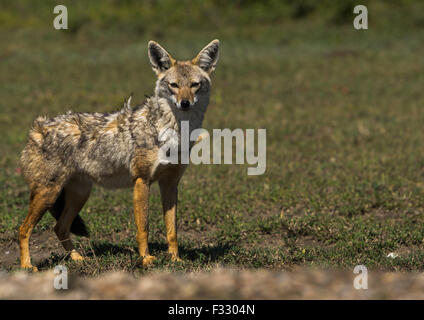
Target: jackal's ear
[159,58]
[208,56]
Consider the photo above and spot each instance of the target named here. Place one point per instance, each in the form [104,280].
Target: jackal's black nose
[185,104]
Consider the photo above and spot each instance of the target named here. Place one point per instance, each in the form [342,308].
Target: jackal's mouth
[184,109]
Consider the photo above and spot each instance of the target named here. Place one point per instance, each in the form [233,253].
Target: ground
[218,284]
[344,183]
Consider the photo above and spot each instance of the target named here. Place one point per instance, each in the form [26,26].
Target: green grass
[344,183]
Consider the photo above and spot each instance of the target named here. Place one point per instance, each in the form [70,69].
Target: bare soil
[218,284]
[42,245]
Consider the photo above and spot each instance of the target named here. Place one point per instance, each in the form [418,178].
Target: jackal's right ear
[208,56]
[159,58]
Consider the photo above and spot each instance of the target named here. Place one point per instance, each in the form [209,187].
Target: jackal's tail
[78,226]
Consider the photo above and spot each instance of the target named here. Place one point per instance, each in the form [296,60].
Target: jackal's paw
[176,258]
[148,260]
[75,256]
[30,268]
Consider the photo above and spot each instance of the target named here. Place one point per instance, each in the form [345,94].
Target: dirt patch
[218,284]
[404,251]
[42,245]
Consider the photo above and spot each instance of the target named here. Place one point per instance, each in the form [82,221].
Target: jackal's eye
[195,84]
[173,85]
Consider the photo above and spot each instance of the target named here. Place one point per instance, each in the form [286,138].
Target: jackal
[67,154]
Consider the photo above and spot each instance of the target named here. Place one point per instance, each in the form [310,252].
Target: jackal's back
[94,144]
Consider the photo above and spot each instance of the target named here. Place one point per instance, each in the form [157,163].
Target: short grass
[343,110]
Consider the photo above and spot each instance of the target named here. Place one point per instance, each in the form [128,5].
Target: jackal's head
[185,84]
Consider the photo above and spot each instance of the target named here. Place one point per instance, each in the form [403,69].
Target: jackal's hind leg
[41,199]
[76,195]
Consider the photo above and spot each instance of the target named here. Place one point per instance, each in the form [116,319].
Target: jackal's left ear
[208,56]
[159,58]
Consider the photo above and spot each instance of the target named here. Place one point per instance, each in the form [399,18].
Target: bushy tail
[78,226]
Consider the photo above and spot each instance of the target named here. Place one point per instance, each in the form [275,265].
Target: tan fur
[185,94]
[112,126]
[40,201]
[67,154]
[141,211]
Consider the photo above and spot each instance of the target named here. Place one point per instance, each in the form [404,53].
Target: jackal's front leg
[169,195]
[141,212]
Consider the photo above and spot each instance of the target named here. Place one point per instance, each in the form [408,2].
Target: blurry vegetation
[144,15]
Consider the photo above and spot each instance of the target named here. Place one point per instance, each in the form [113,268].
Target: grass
[343,112]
